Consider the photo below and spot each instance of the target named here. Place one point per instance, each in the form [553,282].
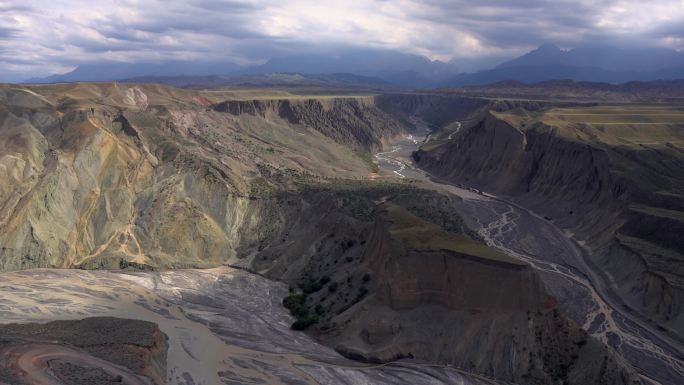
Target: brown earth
[93,351]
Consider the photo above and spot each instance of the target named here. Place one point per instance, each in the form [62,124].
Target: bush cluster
[296,303]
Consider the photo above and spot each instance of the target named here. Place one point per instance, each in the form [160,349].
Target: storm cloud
[39,38]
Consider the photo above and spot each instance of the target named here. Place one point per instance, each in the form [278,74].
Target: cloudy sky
[46,37]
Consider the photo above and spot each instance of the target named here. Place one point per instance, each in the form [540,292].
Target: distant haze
[38,39]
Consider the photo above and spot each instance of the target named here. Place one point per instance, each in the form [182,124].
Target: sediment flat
[224,325]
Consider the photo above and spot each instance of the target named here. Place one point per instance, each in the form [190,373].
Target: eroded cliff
[615,184]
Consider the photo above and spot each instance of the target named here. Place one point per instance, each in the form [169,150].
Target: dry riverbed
[224,326]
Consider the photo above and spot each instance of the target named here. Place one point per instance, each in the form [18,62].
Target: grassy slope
[417,234]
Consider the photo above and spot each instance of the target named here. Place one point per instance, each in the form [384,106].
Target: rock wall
[354,122]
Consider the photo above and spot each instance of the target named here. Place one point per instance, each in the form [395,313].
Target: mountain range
[587,63]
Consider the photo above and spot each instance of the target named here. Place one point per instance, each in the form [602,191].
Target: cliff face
[440,110]
[495,155]
[617,197]
[432,298]
[354,122]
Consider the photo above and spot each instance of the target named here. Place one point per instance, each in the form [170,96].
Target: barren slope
[149,177]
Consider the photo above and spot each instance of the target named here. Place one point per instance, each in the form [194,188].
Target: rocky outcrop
[65,348]
[374,274]
[110,183]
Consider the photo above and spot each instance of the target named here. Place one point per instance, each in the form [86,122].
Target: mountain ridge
[548,61]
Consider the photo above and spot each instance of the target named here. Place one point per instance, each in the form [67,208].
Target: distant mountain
[118,71]
[537,73]
[545,54]
[378,66]
[615,59]
[590,63]
[370,67]
[265,80]
[392,66]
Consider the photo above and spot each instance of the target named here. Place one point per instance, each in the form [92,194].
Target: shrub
[304,323]
[311,286]
[296,304]
[362,293]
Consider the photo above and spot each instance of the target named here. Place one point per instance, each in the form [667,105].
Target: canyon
[230,217]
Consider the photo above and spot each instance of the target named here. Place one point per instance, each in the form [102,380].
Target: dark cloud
[6,32]
[505,24]
[7,7]
[224,6]
[55,36]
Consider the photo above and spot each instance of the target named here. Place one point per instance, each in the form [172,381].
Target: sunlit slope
[110,174]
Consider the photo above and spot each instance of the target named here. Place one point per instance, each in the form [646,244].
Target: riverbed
[225,326]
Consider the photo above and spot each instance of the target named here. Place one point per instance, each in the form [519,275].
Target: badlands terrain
[153,235]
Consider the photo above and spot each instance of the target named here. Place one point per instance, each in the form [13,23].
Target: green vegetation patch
[298,306]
